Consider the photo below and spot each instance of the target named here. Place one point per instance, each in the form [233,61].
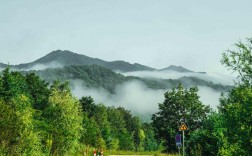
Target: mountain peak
[176,68]
[61,58]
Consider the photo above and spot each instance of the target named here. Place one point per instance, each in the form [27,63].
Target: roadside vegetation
[38,118]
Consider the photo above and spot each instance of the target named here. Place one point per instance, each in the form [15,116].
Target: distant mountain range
[97,73]
[61,58]
[95,76]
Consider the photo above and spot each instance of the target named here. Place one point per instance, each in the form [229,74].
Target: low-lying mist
[136,97]
[38,66]
[211,77]
[133,95]
[53,64]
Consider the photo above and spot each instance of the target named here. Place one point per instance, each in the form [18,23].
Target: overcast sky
[156,33]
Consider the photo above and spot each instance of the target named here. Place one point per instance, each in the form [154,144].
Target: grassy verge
[118,152]
[88,151]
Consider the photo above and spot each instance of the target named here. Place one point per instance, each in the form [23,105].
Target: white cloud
[136,97]
[208,96]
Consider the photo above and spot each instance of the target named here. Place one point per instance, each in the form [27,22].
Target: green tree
[236,108]
[38,89]
[17,127]
[114,144]
[179,104]
[18,132]
[240,61]
[208,139]
[117,124]
[133,126]
[150,142]
[126,141]
[101,118]
[91,131]
[116,120]
[12,84]
[88,105]
[64,117]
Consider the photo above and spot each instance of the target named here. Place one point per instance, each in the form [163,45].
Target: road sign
[178,140]
[183,127]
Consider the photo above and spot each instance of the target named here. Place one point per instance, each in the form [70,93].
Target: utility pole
[183,143]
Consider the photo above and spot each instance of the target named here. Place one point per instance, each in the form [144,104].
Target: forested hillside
[99,77]
[42,119]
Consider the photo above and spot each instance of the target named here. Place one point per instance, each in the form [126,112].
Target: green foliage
[229,131]
[101,144]
[240,61]
[208,139]
[12,84]
[114,144]
[236,110]
[150,142]
[91,132]
[17,125]
[88,106]
[126,141]
[64,117]
[38,89]
[116,120]
[179,104]
[95,76]
[37,120]
[17,134]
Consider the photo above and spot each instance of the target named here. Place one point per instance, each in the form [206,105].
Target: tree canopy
[180,105]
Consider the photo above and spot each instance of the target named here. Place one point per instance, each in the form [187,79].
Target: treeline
[41,119]
[225,132]
[95,76]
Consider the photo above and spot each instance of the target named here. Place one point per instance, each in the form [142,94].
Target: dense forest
[94,76]
[38,118]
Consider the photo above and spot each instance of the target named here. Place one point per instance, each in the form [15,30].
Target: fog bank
[211,77]
[136,97]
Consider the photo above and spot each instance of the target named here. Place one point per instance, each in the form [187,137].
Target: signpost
[183,128]
[178,141]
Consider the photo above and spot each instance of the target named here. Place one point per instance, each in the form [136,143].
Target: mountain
[176,69]
[61,58]
[94,76]
[2,65]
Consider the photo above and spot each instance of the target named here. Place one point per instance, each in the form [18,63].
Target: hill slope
[61,58]
[94,76]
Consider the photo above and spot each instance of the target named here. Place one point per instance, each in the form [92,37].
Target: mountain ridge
[61,58]
[68,58]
